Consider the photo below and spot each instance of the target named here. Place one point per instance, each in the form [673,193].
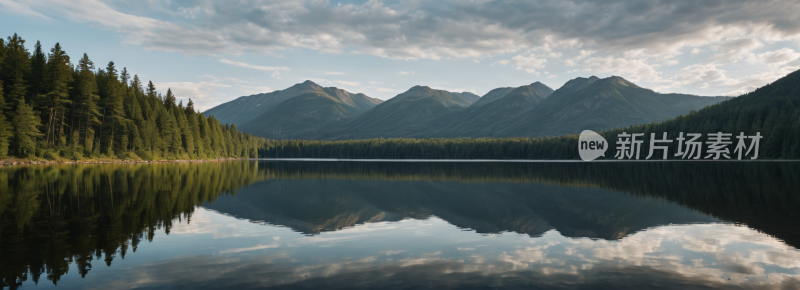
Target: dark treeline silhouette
[436,148]
[50,108]
[52,216]
[773,111]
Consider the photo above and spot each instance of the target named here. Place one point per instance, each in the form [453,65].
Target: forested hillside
[307,115]
[773,111]
[411,113]
[493,114]
[53,108]
[598,104]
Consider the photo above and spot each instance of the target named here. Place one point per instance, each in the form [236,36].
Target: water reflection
[384,225]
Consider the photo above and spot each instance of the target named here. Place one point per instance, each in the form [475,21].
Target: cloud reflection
[668,257]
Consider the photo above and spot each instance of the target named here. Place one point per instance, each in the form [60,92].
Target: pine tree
[26,129]
[57,78]
[38,63]
[194,127]
[16,65]
[124,76]
[87,98]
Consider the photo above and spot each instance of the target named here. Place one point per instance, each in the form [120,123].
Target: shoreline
[13,162]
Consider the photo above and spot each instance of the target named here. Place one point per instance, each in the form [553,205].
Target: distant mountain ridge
[309,111]
[602,104]
[495,110]
[244,109]
[407,114]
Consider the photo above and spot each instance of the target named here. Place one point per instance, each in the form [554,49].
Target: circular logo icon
[591,145]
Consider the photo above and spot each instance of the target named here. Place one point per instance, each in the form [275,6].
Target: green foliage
[26,129]
[5,135]
[77,112]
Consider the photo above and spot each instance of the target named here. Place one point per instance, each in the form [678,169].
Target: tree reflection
[56,215]
[53,216]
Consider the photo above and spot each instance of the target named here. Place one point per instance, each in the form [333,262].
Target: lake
[401,225]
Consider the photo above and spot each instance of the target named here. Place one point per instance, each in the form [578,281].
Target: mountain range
[309,111]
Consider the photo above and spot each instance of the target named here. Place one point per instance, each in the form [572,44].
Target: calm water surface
[367,225]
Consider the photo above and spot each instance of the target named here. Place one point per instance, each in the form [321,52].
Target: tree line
[51,108]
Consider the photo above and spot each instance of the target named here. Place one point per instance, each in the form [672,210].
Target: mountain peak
[417,90]
[309,83]
[617,80]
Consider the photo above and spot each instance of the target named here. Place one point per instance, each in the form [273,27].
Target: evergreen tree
[26,129]
[88,111]
[57,78]
[16,65]
[37,76]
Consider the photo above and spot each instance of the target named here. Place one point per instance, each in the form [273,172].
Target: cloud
[405,72]
[435,29]
[581,55]
[550,77]
[659,257]
[734,50]
[340,82]
[385,90]
[632,69]
[247,249]
[527,63]
[20,8]
[645,35]
[258,67]
[779,56]
[332,73]
[201,93]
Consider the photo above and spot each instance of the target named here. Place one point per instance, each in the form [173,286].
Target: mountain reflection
[54,216]
[598,200]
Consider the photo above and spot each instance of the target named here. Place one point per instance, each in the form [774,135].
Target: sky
[216,51]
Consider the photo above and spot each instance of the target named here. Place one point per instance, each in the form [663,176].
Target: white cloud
[258,67]
[322,82]
[247,249]
[405,72]
[702,74]
[385,90]
[631,69]
[201,93]
[779,56]
[732,51]
[332,73]
[550,77]
[527,63]
[20,8]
